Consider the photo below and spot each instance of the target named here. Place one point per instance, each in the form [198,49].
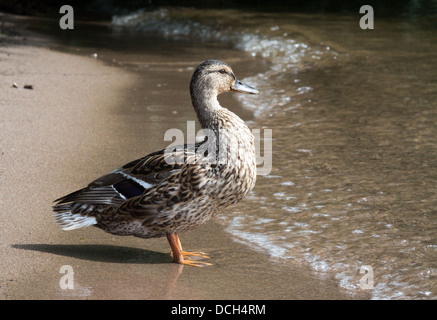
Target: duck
[157,196]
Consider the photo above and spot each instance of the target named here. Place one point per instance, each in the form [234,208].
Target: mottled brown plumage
[157,196]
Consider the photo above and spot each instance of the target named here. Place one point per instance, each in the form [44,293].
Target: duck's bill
[240,87]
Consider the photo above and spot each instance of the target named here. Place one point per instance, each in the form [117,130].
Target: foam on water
[286,55]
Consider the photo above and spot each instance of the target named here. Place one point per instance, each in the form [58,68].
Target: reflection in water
[354,120]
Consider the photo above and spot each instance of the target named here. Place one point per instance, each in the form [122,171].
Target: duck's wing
[136,178]
[165,179]
[131,180]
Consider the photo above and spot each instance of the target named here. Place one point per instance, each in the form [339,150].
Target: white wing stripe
[142,183]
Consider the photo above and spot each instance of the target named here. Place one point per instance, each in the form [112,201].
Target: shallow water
[354,119]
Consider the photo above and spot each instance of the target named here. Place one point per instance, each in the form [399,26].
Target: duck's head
[213,77]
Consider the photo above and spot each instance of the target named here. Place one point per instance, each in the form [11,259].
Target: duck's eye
[222,71]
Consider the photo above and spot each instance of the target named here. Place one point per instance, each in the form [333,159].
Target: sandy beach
[68,130]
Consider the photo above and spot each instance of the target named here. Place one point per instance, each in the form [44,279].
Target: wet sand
[69,130]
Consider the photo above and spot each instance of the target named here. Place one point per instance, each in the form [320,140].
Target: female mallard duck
[155,197]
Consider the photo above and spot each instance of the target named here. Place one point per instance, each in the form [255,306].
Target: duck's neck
[230,129]
[234,142]
[207,107]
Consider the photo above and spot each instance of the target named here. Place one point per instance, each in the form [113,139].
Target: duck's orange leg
[178,254]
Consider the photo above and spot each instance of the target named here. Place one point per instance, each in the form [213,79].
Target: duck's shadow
[100,252]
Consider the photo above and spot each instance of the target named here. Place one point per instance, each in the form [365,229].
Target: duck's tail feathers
[68,217]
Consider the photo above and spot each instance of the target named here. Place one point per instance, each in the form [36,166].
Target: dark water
[353,115]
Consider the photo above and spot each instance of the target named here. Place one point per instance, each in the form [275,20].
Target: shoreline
[65,132]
